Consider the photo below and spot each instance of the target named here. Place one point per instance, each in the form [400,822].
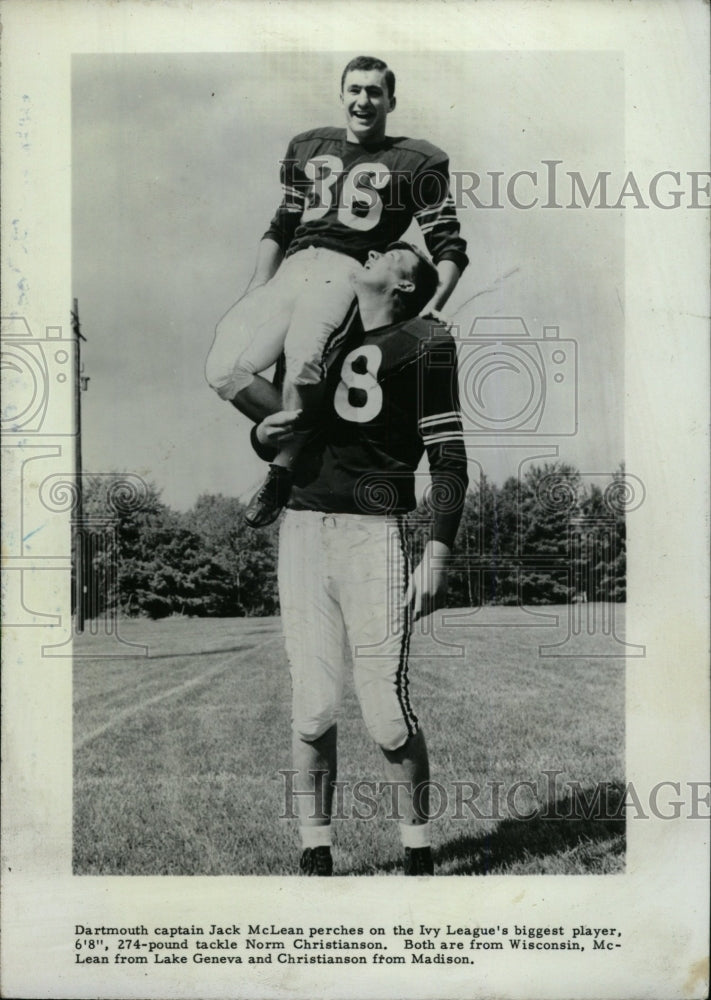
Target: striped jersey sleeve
[436,216]
[440,427]
[288,215]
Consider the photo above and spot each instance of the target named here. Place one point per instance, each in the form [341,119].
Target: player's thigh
[253,330]
[373,598]
[319,313]
[313,625]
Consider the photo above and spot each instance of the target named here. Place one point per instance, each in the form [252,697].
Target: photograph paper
[151,841]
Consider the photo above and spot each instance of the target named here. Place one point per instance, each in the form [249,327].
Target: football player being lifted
[346,588]
[346,191]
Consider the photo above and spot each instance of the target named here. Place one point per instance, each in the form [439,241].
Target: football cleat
[316,861]
[266,504]
[419,861]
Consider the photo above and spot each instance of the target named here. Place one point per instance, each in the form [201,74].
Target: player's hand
[435,316]
[428,583]
[277,428]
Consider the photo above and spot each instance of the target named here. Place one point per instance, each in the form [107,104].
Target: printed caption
[269,944]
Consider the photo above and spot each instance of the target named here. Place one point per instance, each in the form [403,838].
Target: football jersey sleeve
[440,427]
[436,215]
[264,451]
[288,215]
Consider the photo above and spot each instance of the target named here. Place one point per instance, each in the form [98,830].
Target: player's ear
[405,285]
[393,102]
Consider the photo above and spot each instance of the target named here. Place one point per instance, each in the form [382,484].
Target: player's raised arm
[449,275]
[437,219]
[283,225]
[269,257]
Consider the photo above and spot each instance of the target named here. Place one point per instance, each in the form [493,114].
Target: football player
[346,191]
[344,579]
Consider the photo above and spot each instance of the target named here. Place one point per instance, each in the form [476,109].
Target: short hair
[425,278]
[370,62]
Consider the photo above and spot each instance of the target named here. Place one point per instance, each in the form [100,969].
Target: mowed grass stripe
[143,701]
[107,694]
[178,649]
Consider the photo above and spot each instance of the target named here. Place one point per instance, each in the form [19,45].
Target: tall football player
[345,586]
[345,191]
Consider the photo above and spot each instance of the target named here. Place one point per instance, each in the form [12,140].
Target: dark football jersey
[354,198]
[391,393]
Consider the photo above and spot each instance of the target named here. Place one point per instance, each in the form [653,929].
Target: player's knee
[309,720]
[387,734]
[303,372]
[227,376]
[312,728]
[214,370]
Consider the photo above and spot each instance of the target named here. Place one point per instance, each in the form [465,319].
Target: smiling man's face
[367,104]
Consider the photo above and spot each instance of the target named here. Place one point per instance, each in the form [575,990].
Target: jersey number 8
[358,397]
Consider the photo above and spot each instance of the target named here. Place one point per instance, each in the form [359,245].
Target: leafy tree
[247,557]
[545,538]
[603,557]
[549,502]
[144,558]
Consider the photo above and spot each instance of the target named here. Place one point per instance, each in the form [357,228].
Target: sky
[175,163]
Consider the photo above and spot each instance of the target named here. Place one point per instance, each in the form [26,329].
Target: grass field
[177,753]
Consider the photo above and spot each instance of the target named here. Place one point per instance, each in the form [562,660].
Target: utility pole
[80,567]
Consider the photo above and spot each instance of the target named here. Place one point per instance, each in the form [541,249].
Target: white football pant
[342,583]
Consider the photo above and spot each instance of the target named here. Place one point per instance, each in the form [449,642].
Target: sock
[415,836]
[315,836]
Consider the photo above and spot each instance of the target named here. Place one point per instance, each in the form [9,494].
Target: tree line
[548,537]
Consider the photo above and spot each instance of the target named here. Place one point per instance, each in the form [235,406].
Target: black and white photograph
[517,413]
[355,426]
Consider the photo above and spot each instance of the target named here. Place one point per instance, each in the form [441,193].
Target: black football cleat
[266,504]
[316,861]
[418,861]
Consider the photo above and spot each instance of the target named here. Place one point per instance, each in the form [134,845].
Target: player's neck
[374,311]
[371,140]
